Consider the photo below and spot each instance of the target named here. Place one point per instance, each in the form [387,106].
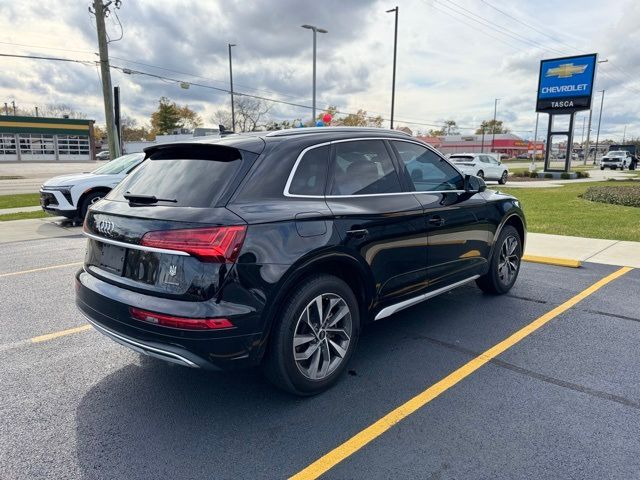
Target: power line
[489,24]
[56,59]
[47,48]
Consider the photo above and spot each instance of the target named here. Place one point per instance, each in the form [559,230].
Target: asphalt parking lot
[563,402]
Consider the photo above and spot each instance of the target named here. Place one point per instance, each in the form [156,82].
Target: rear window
[461,158]
[182,176]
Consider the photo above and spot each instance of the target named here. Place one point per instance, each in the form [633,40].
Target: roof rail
[309,130]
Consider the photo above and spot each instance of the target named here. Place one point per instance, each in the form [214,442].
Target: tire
[601,168]
[480,174]
[503,178]
[327,361]
[495,281]
[88,201]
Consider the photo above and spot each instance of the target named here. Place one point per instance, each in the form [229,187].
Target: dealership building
[507,143]
[45,139]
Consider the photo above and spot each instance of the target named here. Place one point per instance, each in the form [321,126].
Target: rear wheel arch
[342,266]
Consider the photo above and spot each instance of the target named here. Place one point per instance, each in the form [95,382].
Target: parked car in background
[103,155]
[481,165]
[523,156]
[276,249]
[631,148]
[616,159]
[72,195]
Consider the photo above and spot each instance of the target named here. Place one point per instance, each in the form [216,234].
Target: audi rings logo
[105,227]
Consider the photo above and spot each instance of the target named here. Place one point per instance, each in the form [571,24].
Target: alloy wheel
[509,260]
[322,336]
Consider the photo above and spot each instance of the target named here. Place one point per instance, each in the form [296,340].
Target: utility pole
[233,112]
[395,54]
[100,10]
[13,104]
[595,154]
[495,111]
[37,112]
[482,147]
[582,138]
[624,134]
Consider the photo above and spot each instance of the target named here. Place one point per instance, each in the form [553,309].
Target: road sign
[565,85]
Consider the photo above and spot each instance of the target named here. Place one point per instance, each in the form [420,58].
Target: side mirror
[473,184]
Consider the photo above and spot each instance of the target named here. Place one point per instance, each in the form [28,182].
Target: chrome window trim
[286,192]
[134,246]
[295,168]
[396,307]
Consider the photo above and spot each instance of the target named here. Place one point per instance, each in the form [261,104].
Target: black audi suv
[277,249]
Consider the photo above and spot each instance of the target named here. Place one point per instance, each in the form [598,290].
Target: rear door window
[310,175]
[194,176]
[427,170]
[363,167]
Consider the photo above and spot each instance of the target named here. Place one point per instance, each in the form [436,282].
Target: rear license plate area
[111,258]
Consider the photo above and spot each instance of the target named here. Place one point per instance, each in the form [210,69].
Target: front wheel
[503,178]
[315,337]
[480,174]
[88,201]
[504,265]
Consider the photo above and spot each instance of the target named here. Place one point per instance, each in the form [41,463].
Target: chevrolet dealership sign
[565,85]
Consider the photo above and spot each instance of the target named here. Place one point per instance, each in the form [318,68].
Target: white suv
[481,165]
[72,195]
[615,159]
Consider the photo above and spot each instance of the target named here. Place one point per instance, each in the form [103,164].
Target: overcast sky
[454,56]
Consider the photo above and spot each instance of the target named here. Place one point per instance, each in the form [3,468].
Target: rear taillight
[180,322]
[216,244]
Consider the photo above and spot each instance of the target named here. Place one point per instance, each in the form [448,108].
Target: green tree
[170,116]
[491,126]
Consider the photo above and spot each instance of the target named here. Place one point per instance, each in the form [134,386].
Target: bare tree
[251,114]
[60,110]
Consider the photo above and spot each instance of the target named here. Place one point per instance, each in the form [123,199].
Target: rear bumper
[103,306]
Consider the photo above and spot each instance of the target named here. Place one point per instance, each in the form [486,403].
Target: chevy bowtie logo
[566,70]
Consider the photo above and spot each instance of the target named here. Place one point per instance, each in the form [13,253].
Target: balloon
[326,118]
[319,123]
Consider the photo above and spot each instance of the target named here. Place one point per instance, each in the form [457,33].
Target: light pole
[495,111]
[624,134]
[586,147]
[532,167]
[595,154]
[233,111]
[315,31]
[395,53]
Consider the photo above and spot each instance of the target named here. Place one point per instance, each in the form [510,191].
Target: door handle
[361,233]
[436,221]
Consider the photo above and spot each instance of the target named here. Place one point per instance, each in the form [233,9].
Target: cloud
[449,67]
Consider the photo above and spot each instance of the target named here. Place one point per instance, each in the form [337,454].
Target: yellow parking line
[373,431]
[62,333]
[562,262]
[51,267]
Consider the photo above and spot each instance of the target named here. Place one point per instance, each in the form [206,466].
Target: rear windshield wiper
[134,198]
